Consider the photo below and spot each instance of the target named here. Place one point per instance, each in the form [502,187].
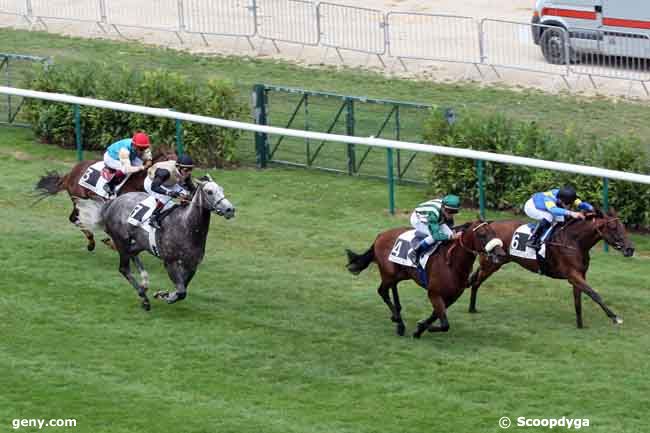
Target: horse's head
[214,199]
[610,228]
[480,237]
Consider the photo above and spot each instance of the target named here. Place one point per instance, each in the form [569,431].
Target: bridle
[617,245]
[606,222]
[465,247]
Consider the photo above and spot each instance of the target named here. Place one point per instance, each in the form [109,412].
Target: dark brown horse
[447,271]
[53,182]
[567,255]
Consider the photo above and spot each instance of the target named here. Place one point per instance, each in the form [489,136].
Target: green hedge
[208,145]
[508,186]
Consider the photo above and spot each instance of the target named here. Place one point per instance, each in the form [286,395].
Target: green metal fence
[339,114]
[13,69]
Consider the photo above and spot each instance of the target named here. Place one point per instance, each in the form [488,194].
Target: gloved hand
[577,215]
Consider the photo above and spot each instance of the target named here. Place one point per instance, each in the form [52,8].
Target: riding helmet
[451,203]
[140,140]
[184,161]
[567,194]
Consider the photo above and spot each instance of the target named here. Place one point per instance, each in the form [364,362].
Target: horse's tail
[90,214]
[359,262]
[50,184]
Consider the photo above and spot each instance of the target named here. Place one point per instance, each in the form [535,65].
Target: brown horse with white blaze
[447,271]
[567,255]
[53,183]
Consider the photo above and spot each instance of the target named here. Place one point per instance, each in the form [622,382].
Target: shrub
[208,145]
[509,186]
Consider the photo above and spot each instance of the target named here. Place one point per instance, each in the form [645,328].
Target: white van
[565,30]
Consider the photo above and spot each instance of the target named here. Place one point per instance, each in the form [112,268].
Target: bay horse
[180,240]
[567,255]
[53,183]
[447,270]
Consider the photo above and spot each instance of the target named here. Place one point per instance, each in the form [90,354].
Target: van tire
[554,45]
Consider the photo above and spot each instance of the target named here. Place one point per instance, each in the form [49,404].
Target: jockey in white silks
[166,180]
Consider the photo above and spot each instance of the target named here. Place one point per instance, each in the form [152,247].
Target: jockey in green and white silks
[433,220]
[554,205]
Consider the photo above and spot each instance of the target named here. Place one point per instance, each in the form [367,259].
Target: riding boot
[535,239]
[154,219]
[109,186]
[421,248]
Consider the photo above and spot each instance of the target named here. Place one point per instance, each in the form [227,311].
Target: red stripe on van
[618,22]
[569,13]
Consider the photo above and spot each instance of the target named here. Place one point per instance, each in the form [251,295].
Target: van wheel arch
[553,44]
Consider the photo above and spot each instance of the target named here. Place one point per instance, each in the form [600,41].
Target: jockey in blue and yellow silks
[125,157]
[553,205]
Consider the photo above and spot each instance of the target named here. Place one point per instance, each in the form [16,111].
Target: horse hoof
[90,247]
[473,311]
[618,321]
[401,329]
[160,295]
[146,306]
[416,335]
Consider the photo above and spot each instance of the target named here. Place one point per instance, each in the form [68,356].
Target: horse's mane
[164,152]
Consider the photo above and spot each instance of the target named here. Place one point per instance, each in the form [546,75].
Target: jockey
[433,220]
[553,205]
[166,180]
[125,157]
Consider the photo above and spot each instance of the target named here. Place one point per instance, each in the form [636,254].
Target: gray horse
[180,242]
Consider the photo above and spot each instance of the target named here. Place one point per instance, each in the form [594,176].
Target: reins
[465,247]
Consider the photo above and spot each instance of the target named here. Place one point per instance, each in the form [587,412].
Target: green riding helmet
[451,203]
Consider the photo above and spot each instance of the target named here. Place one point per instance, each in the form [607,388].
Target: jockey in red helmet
[125,157]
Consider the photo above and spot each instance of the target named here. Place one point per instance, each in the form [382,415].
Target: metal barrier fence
[291,21]
[352,28]
[223,17]
[445,38]
[402,35]
[13,68]
[81,11]
[614,55]
[162,15]
[508,44]
[11,7]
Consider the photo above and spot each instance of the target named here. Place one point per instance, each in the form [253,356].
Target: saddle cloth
[139,217]
[518,246]
[94,180]
[406,241]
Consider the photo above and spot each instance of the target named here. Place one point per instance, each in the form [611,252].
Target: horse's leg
[144,275]
[125,269]
[394,315]
[180,276]
[74,219]
[440,311]
[425,324]
[577,301]
[477,278]
[579,283]
[401,327]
